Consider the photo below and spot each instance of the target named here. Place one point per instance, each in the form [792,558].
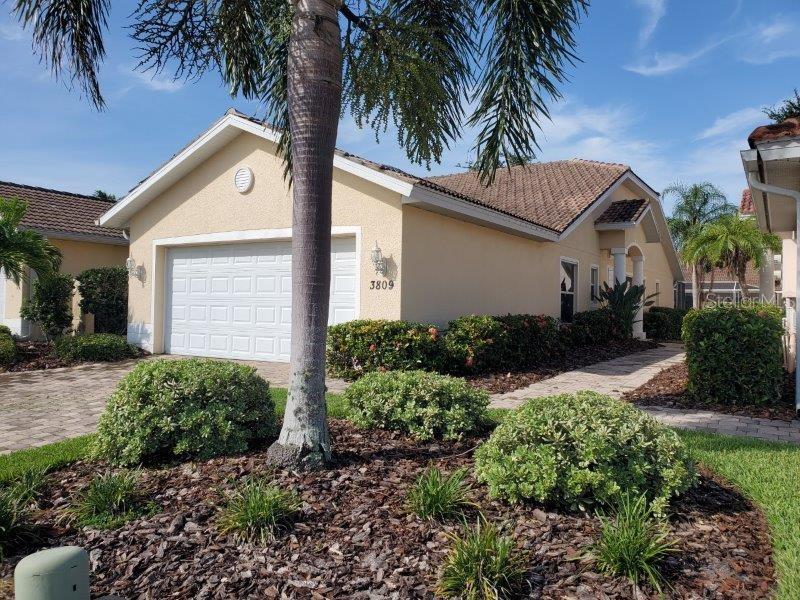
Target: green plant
[438,496]
[789,108]
[5,330]
[94,347]
[50,307]
[26,487]
[481,565]
[529,340]
[591,327]
[364,346]
[624,301]
[424,405]
[663,323]
[583,449]
[8,349]
[22,248]
[45,458]
[109,501]
[104,293]
[257,510]
[633,542]
[734,353]
[15,531]
[188,408]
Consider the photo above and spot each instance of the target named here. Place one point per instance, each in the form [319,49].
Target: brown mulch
[668,388]
[38,356]
[356,539]
[575,358]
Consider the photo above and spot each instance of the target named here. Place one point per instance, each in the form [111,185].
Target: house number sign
[381,284]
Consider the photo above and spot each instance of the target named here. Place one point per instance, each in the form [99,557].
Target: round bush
[94,347]
[5,329]
[8,349]
[582,449]
[424,405]
[191,408]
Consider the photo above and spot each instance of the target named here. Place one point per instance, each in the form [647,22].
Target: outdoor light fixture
[134,270]
[378,261]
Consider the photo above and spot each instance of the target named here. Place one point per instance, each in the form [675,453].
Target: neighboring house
[772,166]
[210,234]
[68,222]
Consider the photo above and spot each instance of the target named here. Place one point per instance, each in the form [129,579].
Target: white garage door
[235,301]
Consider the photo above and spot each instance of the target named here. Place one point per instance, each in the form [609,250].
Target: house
[210,234]
[772,166]
[67,220]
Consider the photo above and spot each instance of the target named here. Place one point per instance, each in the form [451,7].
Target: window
[569,272]
[594,289]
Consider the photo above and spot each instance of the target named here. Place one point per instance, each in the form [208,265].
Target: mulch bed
[498,383]
[668,388]
[38,356]
[357,540]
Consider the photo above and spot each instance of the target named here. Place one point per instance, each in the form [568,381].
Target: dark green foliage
[109,501]
[633,542]
[735,353]
[582,449]
[789,108]
[624,300]
[482,565]
[15,528]
[21,247]
[8,349]
[5,329]
[51,305]
[663,323]
[258,510]
[438,496]
[104,293]
[97,347]
[424,405]
[363,346]
[187,408]
[590,328]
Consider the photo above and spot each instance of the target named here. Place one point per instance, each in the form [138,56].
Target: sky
[670,87]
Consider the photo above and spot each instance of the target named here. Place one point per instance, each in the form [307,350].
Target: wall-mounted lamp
[378,261]
[134,270]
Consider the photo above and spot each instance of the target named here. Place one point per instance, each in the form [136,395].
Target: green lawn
[769,474]
[43,458]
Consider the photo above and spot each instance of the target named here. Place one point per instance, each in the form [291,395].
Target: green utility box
[55,574]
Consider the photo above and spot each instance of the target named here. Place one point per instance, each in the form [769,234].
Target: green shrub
[530,340]
[591,328]
[663,323]
[104,293]
[94,347]
[481,565]
[633,542]
[5,330]
[582,449]
[257,510]
[15,531]
[424,405]
[364,346]
[8,350]
[109,501]
[187,408]
[734,353]
[438,496]
[50,307]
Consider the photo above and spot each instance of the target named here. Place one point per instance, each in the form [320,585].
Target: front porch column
[638,279]
[620,257]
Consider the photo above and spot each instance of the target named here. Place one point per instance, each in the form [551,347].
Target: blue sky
[670,87]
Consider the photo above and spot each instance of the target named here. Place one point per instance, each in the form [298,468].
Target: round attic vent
[243,180]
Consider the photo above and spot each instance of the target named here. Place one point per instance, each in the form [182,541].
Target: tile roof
[623,211]
[746,206]
[751,276]
[769,133]
[54,211]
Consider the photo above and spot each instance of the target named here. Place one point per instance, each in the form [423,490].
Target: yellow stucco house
[210,237]
[67,220]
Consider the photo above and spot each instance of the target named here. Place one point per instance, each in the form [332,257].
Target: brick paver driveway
[40,407]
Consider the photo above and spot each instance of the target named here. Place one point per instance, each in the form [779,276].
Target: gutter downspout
[754,181]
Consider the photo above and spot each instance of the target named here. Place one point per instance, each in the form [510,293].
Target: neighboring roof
[54,212]
[623,211]
[746,206]
[789,128]
[751,276]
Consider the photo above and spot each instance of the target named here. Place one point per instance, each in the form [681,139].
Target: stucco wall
[789,267]
[205,201]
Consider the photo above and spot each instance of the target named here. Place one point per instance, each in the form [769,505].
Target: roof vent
[243,180]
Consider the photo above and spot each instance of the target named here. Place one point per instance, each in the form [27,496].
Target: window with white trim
[569,283]
[594,285]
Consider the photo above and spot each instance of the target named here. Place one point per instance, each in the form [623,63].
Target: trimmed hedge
[104,293]
[422,404]
[8,349]
[363,346]
[735,353]
[590,327]
[663,323]
[581,450]
[98,347]
[5,329]
[191,408]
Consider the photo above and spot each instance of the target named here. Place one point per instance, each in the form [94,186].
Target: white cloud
[774,40]
[668,62]
[11,32]
[654,11]
[774,30]
[735,121]
[157,83]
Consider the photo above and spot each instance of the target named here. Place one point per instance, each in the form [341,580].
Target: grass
[44,458]
[109,501]
[438,496]
[769,474]
[259,509]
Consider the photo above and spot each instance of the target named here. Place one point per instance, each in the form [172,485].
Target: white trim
[594,267]
[80,237]
[577,263]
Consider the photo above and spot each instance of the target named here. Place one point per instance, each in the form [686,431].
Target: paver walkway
[40,407]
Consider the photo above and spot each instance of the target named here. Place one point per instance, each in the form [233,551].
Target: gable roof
[623,211]
[790,128]
[62,214]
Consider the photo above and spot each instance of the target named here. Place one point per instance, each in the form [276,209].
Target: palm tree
[732,242]
[417,64]
[21,248]
[696,205]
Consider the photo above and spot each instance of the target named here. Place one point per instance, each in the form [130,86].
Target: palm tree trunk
[711,283]
[314,96]
[695,286]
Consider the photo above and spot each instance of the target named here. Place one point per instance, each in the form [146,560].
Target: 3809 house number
[381,284]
